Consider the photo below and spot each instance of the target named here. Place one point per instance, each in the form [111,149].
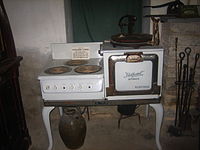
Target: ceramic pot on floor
[72,128]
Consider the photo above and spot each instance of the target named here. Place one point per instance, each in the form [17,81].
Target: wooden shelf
[175,19]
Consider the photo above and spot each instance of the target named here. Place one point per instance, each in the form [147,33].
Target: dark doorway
[97,20]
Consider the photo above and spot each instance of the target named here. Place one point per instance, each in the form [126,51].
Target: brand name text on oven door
[134,75]
[142,87]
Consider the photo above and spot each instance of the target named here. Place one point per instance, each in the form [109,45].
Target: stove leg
[45,114]
[60,111]
[159,118]
[147,111]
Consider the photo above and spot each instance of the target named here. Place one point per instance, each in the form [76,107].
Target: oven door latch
[134,57]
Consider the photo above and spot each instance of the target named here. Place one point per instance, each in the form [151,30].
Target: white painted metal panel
[66,50]
[133,76]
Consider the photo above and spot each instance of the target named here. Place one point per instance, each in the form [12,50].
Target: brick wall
[188,34]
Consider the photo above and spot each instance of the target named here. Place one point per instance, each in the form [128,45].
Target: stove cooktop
[67,84]
[68,67]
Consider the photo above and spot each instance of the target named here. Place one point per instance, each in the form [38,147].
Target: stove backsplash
[75,50]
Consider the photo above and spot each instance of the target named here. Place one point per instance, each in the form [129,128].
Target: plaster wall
[35,24]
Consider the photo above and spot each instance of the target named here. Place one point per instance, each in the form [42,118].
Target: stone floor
[103,133]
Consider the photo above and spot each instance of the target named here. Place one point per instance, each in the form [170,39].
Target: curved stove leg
[147,111]
[159,117]
[60,111]
[45,115]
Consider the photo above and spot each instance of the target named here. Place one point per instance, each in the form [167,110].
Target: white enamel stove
[76,87]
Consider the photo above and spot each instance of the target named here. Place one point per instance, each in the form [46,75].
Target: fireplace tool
[185,87]
[181,55]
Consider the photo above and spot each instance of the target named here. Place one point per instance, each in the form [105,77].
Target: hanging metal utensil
[187,51]
[196,60]
[182,94]
[176,67]
[187,105]
[191,89]
[181,56]
[186,82]
[176,59]
[191,80]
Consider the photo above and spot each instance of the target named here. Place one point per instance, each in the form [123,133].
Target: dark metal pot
[72,128]
[127,110]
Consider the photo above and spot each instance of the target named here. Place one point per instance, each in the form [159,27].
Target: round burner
[76,62]
[87,69]
[58,70]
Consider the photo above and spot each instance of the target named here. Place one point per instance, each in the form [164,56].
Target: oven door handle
[134,57]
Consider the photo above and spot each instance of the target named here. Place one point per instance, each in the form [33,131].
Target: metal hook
[197,56]
[181,55]
[188,50]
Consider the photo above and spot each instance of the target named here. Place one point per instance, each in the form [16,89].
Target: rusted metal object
[130,38]
[127,111]
[156,35]
[129,21]
[58,70]
[178,83]
[185,85]
[87,69]
[188,11]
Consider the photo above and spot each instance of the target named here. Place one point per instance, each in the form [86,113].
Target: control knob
[71,86]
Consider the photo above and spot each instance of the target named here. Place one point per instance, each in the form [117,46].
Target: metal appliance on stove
[75,73]
[129,38]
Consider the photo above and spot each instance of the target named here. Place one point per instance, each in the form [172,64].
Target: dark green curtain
[97,20]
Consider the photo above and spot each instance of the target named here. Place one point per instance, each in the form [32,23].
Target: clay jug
[72,128]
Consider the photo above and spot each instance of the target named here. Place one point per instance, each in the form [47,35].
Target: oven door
[133,74]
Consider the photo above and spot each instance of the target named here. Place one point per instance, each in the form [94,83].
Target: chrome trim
[134,57]
[111,91]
